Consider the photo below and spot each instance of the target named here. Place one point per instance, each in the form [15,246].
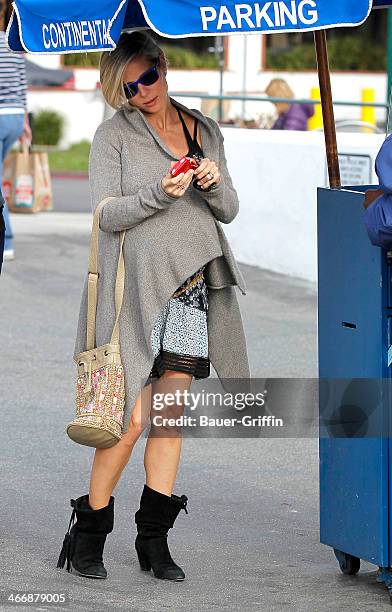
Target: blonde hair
[112,64]
[279,88]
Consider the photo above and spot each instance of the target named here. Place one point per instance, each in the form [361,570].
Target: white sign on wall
[354,170]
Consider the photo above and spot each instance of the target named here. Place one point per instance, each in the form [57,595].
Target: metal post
[320,40]
[219,43]
[218,50]
[244,75]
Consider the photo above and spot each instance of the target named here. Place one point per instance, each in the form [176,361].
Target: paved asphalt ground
[251,538]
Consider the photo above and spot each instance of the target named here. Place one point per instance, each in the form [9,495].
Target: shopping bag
[46,188]
[27,185]
[22,199]
[40,187]
[8,177]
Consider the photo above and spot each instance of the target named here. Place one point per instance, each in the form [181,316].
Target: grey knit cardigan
[167,239]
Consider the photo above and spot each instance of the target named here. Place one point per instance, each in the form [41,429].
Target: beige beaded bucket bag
[100,385]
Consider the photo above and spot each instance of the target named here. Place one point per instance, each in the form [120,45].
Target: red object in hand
[183,165]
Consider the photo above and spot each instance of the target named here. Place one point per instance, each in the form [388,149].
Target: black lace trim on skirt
[198,366]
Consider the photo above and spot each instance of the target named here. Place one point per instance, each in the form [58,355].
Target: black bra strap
[187,134]
[195,130]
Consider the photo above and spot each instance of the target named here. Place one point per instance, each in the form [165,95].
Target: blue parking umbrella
[44,26]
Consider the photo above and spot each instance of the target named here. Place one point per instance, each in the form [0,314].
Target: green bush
[179,57]
[345,53]
[48,127]
[82,59]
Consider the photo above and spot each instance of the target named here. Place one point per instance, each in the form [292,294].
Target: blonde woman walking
[180,309]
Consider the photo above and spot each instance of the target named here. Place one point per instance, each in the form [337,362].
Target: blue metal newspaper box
[354,335]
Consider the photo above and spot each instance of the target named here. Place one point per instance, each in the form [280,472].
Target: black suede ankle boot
[84,542]
[154,518]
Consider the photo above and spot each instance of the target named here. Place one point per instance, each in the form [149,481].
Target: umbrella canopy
[44,26]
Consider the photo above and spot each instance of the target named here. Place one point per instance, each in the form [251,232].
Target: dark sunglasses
[149,77]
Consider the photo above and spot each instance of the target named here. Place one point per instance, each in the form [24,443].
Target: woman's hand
[207,173]
[27,134]
[177,186]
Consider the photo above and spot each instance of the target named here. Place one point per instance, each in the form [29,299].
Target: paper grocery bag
[27,184]
[46,184]
[28,191]
[23,200]
[8,177]
[39,191]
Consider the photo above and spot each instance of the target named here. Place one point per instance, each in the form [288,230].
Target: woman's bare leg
[163,447]
[109,463]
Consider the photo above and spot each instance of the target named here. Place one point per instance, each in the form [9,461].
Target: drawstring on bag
[87,370]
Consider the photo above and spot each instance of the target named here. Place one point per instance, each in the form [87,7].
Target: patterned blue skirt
[179,338]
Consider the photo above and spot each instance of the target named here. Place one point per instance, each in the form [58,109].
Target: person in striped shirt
[14,122]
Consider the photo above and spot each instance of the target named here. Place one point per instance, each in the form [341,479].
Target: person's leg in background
[11,128]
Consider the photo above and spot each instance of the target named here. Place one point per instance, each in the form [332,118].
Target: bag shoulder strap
[92,287]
